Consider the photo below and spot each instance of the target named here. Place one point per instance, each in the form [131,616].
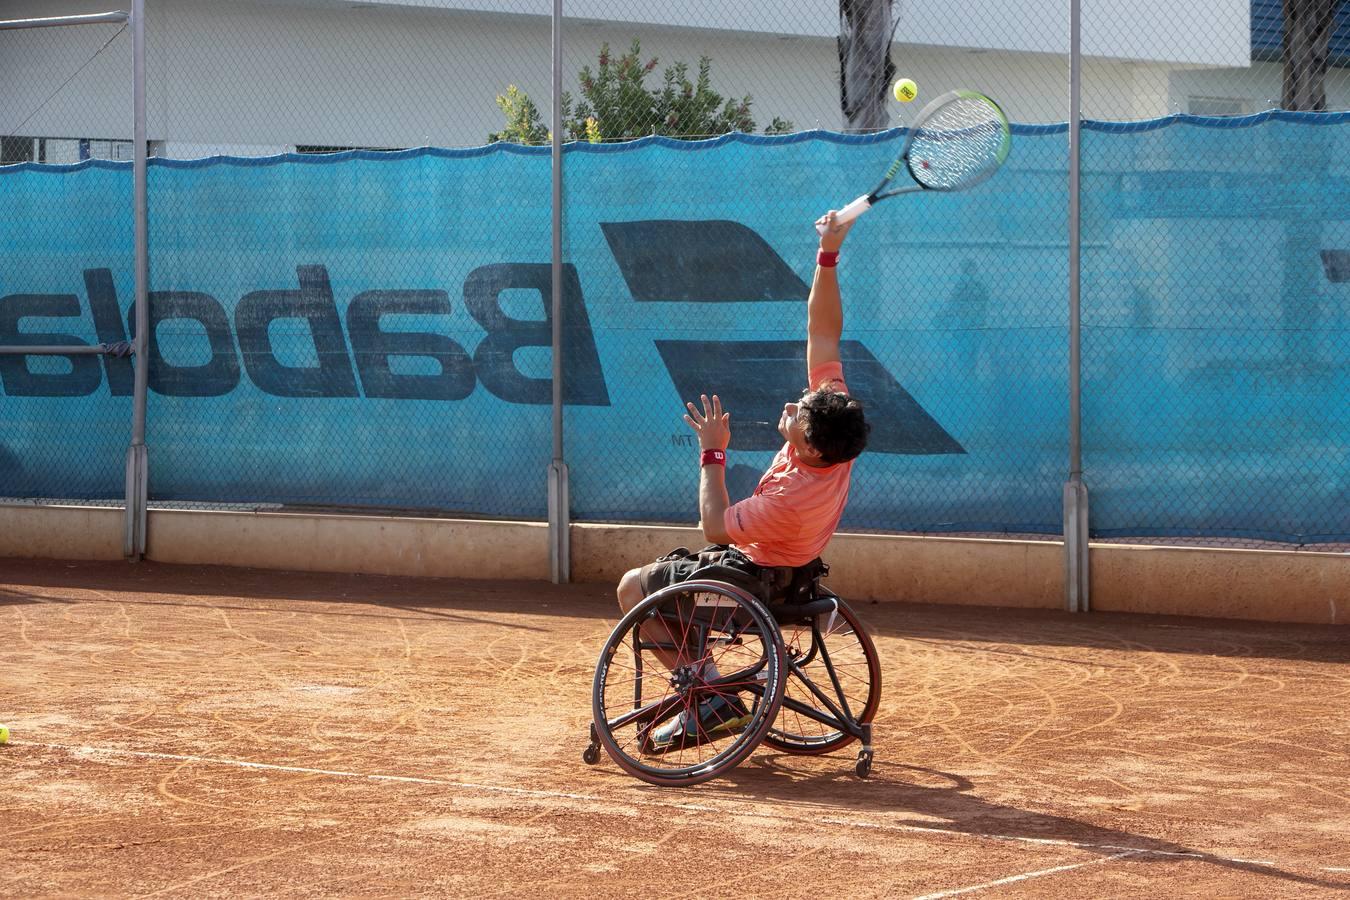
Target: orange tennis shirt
[793,512]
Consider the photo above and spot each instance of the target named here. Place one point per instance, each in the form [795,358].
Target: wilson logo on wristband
[714,457]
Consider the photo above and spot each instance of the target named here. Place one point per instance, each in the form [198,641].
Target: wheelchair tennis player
[782,528]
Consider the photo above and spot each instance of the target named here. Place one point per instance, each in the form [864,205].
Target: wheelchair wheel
[833,685]
[728,676]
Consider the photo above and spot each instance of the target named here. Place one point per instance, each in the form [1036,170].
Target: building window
[17,150]
[61,150]
[118,150]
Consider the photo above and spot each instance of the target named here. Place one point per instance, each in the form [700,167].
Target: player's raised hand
[832,232]
[712,425]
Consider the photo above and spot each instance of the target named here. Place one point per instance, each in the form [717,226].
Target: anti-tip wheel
[591,755]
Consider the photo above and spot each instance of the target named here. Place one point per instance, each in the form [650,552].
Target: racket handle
[850,212]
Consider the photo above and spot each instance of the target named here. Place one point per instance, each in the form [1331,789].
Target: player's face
[792,426]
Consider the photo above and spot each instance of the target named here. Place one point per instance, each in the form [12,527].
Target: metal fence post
[133,545]
[559,523]
[1075,491]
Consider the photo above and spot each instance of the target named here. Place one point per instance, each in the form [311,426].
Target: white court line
[339,773]
[645,801]
[1025,876]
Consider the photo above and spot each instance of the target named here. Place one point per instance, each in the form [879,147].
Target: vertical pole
[1075,491]
[559,522]
[133,545]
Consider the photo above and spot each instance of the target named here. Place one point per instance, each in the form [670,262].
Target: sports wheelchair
[800,668]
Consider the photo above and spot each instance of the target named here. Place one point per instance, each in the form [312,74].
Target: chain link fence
[350,257]
[1216,353]
[340,262]
[65,120]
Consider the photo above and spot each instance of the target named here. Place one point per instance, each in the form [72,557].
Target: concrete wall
[962,571]
[372,545]
[61,532]
[1243,584]
[1267,585]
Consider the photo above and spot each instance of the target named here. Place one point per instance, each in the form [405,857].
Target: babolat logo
[353,355]
[335,374]
[734,264]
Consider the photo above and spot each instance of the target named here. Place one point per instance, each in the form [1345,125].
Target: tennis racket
[958,141]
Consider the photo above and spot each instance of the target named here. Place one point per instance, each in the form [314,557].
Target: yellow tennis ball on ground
[4,734]
[906,90]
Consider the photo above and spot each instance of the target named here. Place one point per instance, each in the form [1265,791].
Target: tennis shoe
[718,716]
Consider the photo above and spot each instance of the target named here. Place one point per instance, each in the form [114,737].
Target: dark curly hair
[835,426]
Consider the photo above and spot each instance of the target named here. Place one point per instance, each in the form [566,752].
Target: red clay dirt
[213,732]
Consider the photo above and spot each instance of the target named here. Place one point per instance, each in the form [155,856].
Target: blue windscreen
[372,330]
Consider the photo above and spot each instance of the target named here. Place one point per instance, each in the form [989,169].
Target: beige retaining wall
[1246,584]
[1269,585]
[61,532]
[371,545]
[964,571]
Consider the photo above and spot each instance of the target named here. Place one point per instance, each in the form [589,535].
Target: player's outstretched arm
[824,309]
[713,427]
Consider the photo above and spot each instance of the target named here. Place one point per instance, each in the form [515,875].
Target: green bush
[617,105]
[524,125]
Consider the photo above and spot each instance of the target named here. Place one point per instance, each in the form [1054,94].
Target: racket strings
[961,144]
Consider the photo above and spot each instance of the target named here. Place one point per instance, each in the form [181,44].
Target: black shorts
[679,564]
[772,584]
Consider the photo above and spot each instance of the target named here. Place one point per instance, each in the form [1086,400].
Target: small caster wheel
[864,766]
[591,755]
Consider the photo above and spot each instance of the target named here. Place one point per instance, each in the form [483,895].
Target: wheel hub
[683,678]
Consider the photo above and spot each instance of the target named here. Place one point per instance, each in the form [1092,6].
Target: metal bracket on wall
[559,526]
[1076,591]
[138,481]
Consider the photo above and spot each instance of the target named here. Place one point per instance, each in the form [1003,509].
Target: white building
[254,78]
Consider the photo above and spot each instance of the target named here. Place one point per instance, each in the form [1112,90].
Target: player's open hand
[712,425]
[832,233]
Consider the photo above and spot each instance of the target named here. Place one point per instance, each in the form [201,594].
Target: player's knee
[630,589]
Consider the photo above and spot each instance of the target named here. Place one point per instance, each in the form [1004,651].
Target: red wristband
[827,260]
[714,457]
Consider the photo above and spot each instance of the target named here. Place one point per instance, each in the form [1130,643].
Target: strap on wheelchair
[793,612]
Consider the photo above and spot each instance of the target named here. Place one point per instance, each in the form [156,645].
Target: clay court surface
[187,731]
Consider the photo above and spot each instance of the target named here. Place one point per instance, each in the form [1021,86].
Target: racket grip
[850,212]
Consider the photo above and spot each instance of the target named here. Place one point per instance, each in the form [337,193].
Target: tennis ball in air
[906,90]
[4,734]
